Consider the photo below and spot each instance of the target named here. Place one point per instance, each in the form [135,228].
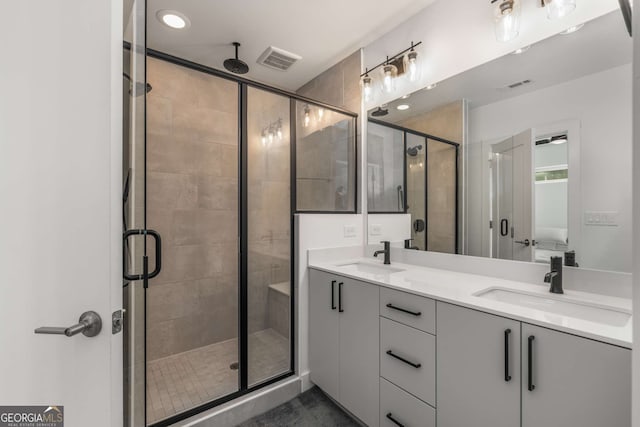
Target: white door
[523,202]
[60,186]
[573,381]
[502,199]
[478,374]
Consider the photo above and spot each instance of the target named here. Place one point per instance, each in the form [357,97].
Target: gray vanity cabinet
[574,381]
[553,379]
[344,341]
[478,374]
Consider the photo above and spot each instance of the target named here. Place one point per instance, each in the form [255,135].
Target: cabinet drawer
[404,408]
[417,312]
[408,359]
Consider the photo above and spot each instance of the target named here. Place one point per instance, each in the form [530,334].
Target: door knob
[90,324]
[525,242]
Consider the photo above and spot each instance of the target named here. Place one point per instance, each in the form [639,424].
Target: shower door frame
[426,137]
[243,224]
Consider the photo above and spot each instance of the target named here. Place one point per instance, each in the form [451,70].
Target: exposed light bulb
[367,90]
[412,59]
[387,81]
[320,114]
[507,20]
[264,138]
[558,9]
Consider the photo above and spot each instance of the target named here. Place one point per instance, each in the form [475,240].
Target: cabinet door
[473,386]
[576,381]
[359,346]
[323,331]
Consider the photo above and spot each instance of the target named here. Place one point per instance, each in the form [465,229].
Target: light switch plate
[602,219]
[375,229]
[349,231]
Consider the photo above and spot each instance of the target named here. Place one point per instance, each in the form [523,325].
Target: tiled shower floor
[185,380]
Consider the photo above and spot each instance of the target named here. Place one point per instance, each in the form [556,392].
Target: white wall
[394,228]
[602,104]
[316,232]
[458,35]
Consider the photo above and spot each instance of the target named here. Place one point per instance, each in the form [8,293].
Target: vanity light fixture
[572,30]
[320,114]
[558,9]
[173,19]
[403,107]
[367,90]
[507,19]
[393,67]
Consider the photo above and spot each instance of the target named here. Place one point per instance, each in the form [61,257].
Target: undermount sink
[559,305]
[365,267]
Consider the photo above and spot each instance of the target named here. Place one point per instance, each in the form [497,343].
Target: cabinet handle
[340,309]
[530,385]
[402,359]
[333,296]
[393,420]
[507,333]
[404,310]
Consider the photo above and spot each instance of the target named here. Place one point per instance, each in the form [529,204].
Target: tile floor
[185,380]
[311,409]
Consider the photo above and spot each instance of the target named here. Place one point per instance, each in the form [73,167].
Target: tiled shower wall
[192,200]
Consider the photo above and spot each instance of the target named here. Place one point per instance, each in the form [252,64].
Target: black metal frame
[243,85]
[427,137]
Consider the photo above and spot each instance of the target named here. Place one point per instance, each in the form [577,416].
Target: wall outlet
[602,219]
[349,231]
[375,229]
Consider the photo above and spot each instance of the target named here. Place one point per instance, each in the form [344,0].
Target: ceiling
[600,45]
[322,32]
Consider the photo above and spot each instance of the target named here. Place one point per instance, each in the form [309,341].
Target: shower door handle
[504,227]
[158,244]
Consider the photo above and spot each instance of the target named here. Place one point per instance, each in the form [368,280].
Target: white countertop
[459,288]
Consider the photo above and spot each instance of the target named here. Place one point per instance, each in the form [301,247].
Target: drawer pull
[404,310]
[393,420]
[402,359]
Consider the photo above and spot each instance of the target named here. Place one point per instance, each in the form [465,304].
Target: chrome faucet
[554,277]
[386,252]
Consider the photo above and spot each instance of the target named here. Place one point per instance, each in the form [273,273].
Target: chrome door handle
[525,242]
[90,324]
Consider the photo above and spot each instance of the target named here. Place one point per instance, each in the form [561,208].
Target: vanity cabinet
[575,381]
[344,342]
[494,371]
[478,375]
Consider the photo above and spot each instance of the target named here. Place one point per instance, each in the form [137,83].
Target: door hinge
[117,318]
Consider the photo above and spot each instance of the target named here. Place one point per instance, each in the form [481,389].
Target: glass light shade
[507,20]
[388,78]
[367,90]
[307,117]
[412,66]
[320,114]
[557,9]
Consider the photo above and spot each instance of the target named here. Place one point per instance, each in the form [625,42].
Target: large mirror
[522,158]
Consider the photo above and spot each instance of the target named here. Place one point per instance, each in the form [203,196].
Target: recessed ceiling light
[431,86]
[521,50]
[402,107]
[173,19]
[572,30]
[406,96]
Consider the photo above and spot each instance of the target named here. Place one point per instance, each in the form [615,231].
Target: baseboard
[240,410]
[305,382]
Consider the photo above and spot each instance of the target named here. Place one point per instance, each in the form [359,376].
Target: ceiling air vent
[518,84]
[278,59]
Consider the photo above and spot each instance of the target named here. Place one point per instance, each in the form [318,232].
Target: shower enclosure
[416,173]
[216,179]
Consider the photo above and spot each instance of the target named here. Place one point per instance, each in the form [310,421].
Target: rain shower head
[413,151]
[235,65]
